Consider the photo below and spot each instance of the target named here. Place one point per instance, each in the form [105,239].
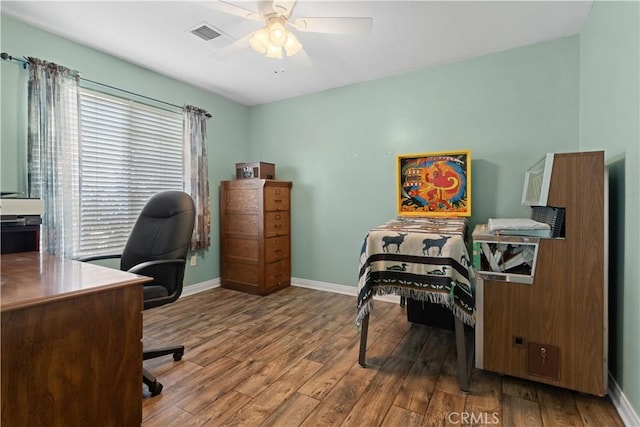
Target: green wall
[610,118]
[227,137]
[339,147]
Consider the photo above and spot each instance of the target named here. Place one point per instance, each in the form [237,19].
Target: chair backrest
[161,232]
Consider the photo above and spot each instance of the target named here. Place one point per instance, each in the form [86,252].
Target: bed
[425,259]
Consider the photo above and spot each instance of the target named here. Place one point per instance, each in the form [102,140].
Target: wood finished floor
[290,359]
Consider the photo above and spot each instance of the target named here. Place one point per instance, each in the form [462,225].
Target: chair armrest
[98,257]
[138,268]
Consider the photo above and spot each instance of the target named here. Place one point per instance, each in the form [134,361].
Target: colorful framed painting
[434,184]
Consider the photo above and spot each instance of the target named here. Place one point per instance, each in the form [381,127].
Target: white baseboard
[339,289]
[324,286]
[199,287]
[629,416]
[302,283]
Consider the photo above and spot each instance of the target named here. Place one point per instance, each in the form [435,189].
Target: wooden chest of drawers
[255,235]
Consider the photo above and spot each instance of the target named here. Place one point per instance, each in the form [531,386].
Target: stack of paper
[518,227]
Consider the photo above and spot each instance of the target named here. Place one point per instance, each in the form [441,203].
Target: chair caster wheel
[177,356]
[155,389]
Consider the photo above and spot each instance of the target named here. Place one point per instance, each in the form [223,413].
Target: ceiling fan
[274,37]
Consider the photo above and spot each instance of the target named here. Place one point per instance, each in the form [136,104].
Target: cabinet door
[276,223]
[276,248]
[505,327]
[278,273]
[276,199]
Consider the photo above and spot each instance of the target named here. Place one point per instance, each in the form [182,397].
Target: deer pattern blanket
[421,258]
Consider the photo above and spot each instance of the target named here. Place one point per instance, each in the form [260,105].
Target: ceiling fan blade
[233,48]
[232,9]
[334,25]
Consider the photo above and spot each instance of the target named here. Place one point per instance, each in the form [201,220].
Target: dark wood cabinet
[24,238]
[255,222]
[554,330]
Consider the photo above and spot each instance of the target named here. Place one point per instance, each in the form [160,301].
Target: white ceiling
[406,35]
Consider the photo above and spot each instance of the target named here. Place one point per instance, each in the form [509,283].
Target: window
[129,151]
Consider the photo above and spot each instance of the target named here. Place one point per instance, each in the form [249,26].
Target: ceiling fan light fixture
[271,39]
[277,32]
[260,41]
[274,52]
[275,36]
[292,45]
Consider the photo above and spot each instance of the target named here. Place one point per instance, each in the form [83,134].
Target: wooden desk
[71,343]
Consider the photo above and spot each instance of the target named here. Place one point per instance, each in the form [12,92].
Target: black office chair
[157,247]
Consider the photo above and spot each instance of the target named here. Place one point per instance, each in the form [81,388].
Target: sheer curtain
[55,158]
[53,152]
[196,173]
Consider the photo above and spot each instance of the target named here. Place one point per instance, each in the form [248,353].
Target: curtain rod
[5,56]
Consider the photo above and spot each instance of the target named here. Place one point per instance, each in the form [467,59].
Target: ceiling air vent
[205,32]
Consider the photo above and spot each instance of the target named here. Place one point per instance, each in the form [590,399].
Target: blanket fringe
[432,297]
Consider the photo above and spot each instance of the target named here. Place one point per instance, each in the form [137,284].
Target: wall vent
[206,32]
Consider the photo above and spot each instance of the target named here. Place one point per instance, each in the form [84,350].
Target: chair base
[177,351]
[147,377]
[154,386]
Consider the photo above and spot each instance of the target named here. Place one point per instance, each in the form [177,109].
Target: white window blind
[129,151]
